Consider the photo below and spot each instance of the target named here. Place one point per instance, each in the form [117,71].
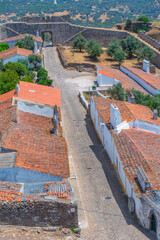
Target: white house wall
[138,124]
[143,208]
[140,81]
[15,58]
[42,110]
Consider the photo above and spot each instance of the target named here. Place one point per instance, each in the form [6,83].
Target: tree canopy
[27,42]
[113,46]
[3,46]
[130,45]
[117,92]
[144,19]
[18,67]
[119,56]
[42,77]
[94,49]
[79,42]
[34,59]
[8,80]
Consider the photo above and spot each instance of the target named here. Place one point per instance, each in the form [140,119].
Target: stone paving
[103,211]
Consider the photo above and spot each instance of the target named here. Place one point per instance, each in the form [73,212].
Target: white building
[131,137]
[147,80]
[105,78]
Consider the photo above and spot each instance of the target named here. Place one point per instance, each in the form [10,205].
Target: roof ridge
[129,109]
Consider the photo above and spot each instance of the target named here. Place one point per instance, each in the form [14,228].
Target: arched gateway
[63,32]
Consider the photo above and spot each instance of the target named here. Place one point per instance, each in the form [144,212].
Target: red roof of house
[129,112]
[6,96]
[15,51]
[139,148]
[21,36]
[105,73]
[149,78]
[127,82]
[37,149]
[39,93]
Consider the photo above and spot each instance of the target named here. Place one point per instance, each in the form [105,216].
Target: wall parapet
[149,40]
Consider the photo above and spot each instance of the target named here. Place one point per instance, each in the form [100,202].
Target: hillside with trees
[97,13]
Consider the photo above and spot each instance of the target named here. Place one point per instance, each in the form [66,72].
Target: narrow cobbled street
[103,211]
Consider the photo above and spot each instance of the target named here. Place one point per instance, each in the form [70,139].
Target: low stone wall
[86,67]
[39,213]
[149,40]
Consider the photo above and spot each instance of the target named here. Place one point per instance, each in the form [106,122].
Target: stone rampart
[149,40]
[39,213]
[58,18]
[64,32]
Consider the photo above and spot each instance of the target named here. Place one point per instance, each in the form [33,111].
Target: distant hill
[99,13]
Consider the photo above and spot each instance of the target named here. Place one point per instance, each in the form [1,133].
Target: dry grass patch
[75,56]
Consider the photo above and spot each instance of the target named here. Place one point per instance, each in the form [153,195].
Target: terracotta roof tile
[15,51]
[105,73]
[129,111]
[38,150]
[39,93]
[139,148]
[127,82]
[103,108]
[6,96]
[149,78]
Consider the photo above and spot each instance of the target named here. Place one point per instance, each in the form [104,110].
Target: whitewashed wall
[140,81]
[103,80]
[142,211]
[38,109]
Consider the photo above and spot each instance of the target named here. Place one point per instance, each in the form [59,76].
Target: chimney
[130,97]
[143,179]
[37,34]
[155,114]
[146,65]
[115,115]
[55,129]
[17,89]
[35,48]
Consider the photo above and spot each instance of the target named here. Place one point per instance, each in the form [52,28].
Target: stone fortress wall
[63,32]
[149,40]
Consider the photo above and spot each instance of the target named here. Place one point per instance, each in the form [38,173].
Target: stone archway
[47,38]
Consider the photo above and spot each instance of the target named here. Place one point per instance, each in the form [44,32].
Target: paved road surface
[100,218]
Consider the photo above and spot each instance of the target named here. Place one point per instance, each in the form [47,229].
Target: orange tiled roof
[127,82]
[103,108]
[37,149]
[15,51]
[105,73]
[129,111]
[40,94]
[21,36]
[149,78]
[6,96]
[139,148]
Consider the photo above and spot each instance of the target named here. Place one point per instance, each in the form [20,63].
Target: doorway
[153,223]
[47,39]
